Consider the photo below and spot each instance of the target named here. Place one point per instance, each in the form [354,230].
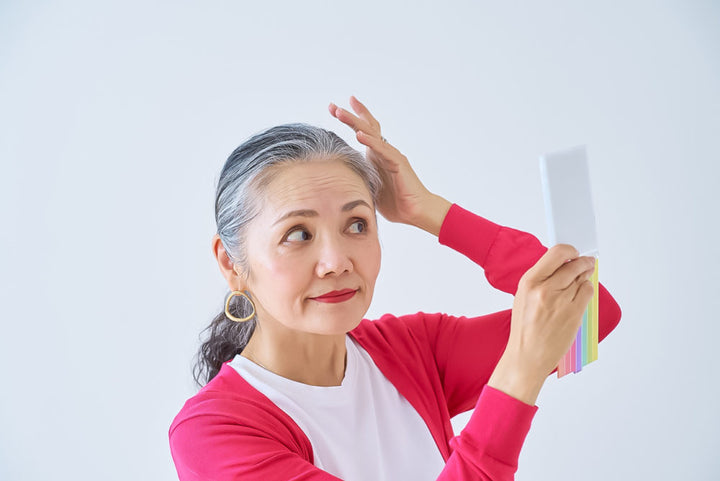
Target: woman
[300,386]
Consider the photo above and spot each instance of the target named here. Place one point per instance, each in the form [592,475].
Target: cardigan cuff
[498,427]
[468,233]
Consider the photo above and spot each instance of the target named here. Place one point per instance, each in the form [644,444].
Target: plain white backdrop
[116,118]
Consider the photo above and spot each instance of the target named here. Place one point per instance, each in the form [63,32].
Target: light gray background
[116,118]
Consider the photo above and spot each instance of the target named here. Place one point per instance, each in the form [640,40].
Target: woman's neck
[313,359]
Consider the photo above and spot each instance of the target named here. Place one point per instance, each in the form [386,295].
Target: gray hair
[242,180]
[242,176]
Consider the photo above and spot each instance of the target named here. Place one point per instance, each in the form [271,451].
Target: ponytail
[226,339]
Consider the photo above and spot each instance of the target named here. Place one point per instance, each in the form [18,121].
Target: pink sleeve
[222,439]
[506,254]
[489,446]
[467,350]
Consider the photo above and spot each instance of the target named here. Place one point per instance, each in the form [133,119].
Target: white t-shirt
[363,429]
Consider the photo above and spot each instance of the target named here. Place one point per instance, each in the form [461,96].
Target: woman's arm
[230,431]
[506,255]
[511,352]
[433,211]
[548,304]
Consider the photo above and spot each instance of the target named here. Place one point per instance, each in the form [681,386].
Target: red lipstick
[336,296]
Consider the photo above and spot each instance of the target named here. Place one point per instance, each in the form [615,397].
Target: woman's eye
[358,227]
[298,235]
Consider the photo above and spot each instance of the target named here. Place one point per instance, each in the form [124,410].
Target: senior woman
[299,386]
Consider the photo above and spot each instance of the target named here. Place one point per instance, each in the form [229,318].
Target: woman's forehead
[314,182]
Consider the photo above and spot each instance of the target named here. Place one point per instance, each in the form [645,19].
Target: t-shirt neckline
[325,395]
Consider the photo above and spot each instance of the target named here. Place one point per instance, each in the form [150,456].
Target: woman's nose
[333,258]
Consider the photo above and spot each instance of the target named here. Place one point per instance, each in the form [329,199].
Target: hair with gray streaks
[243,179]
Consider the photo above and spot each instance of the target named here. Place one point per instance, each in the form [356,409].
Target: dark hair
[242,180]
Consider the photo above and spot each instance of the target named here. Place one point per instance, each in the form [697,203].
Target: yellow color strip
[594,311]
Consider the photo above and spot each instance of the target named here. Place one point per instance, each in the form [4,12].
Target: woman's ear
[231,272]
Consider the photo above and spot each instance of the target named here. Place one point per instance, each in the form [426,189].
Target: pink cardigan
[439,363]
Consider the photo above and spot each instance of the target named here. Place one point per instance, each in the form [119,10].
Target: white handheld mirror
[568,200]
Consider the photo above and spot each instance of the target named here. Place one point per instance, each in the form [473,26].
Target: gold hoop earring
[227,307]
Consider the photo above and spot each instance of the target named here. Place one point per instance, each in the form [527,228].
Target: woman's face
[316,233]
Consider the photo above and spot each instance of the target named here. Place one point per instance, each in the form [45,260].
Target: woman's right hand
[546,315]
[403,197]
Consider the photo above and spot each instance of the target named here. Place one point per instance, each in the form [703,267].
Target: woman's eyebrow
[311,213]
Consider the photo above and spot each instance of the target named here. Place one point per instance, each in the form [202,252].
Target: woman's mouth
[336,296]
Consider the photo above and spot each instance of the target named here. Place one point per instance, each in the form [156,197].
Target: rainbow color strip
[585,347]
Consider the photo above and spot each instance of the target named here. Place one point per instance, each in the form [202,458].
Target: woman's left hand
[403,197]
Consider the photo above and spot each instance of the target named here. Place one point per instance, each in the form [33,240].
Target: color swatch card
[571,220]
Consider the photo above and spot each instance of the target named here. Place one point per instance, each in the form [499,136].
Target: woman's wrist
[431,214]
[512,379]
